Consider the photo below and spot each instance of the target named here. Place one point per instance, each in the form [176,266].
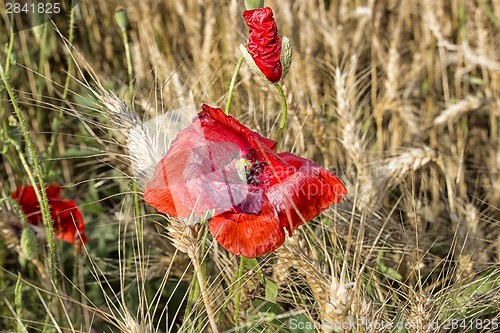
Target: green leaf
[399,323]
[271,291]
[253,264]
[464,300]
[74,152]
[387,271]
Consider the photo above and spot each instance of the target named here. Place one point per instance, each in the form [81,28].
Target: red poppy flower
[264,43]
[218,164]
[66,217]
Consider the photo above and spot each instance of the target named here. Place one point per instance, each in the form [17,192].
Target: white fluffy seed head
[147,141]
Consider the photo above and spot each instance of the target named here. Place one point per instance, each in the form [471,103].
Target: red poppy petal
[82,240]
[26,197]
[200,182]
[65,215]
[218,127]
[53,191]
[66,235]
[302,195]
[67,211]
[67,219]
[248,235]
[213,125]
[332,186]
[158,193]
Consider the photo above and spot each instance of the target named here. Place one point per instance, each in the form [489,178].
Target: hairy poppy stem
[238,294]
[228,298]
[233,83]
[283,115]
[41,194]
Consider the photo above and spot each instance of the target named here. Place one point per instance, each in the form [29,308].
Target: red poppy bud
[264,43]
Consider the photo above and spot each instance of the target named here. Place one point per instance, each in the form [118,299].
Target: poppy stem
[233,83]
[238,294]
[41,194]
[18,300]
[283,115]
[204,294]
[228,298]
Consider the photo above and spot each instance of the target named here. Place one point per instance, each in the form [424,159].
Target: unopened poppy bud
[121,18]
[286,55]
[254,4]
[29,243]
[264,44]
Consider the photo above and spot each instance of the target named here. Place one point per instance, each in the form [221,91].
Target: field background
[399,99]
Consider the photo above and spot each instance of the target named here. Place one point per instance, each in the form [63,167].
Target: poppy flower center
[249,168]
